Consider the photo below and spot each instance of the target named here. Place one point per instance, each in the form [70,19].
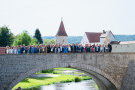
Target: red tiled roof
[93,36]
[61,31]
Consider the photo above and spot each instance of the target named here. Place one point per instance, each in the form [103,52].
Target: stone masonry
[129,79]
[108,68]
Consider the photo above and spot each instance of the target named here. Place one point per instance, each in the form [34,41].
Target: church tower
[61,36]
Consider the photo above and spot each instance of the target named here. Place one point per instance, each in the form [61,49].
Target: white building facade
[97,37]
[62,40]
[128,46]
[84,40]
[106,37]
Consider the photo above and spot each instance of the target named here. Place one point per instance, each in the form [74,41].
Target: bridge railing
[2,50]
[34,50]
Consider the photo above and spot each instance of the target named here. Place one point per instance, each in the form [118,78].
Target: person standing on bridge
[93,48]
[65,49]
[72,47]
[96,48]
[48,49]
[69,48]
[106,48]
[35,49]
[45,49]
[102,48]
[109,47]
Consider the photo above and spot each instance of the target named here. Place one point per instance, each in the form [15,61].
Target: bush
[48,71]
[86,78]
[77,79]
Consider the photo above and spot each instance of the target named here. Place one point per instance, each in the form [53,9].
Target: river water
[83,85]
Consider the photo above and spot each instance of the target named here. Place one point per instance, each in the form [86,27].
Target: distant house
[91,37]
[61,36]
[97,37]
[106,37]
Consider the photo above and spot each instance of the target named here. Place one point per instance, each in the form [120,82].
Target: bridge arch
[106,67]
[102,79]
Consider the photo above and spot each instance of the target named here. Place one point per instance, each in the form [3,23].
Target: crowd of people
[58,48]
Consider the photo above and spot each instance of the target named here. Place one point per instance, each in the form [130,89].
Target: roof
[115,42]
[61,31]
[93,36]
[105,34]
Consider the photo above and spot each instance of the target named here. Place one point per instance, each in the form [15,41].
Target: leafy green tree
[53,41]
[6,37]
[38,36]
[49,41]
[34,41]
[23,38]
[46,41]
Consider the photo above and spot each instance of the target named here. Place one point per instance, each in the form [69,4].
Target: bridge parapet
[112,66]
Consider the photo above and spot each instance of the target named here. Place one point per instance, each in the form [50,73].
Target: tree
[23,38]
[34,41]
[52,41]
[49,41]
[38,36]
[6,37]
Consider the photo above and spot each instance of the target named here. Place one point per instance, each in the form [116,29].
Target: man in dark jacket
[73,48]
[48,49]
[22,49]
[110,47]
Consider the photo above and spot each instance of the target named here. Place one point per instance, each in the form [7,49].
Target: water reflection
[84,85]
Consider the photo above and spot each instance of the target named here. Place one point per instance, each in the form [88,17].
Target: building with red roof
[61,36]
[91,37]
[104,37]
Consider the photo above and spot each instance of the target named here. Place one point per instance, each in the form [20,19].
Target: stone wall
[129,79]
[112,66]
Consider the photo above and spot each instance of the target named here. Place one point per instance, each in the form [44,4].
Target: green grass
[37,82]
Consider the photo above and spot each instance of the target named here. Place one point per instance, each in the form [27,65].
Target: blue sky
[79,16]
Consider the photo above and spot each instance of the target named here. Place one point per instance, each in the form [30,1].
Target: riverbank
[36,82]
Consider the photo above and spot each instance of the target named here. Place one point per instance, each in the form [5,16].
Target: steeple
[61,31]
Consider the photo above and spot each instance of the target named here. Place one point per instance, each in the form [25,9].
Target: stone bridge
[107,69]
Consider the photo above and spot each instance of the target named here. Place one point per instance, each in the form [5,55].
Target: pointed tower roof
[61,31]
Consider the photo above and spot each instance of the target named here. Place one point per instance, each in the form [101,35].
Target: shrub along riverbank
[30,83]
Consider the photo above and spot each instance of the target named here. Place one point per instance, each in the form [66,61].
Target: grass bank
[29,83]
